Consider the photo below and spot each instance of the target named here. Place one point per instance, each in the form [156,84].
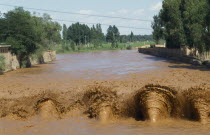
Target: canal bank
[182,55]
[12,63]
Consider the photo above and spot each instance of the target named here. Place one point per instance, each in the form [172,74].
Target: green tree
[157,29]
[97,35]
[194,15]
[171,18]
[52,29]
[21,34]
[132,37]
[207,25]
[27,33]
[65,32]
[79,33]
[2,64]
[113,36]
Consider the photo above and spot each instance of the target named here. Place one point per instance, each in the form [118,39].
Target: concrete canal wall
[184,55]
[12,63]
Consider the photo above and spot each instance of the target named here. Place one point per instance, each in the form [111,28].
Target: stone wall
[182,55]
[194,53]
[47,56]
[13,64]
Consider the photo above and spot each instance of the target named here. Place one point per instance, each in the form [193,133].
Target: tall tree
[194,15]
[79,33]
[113,36]
[65,32]
[157,29]
[27,33]
[172,21]
[207,35]
[131,37]
[97,35]
[21,34]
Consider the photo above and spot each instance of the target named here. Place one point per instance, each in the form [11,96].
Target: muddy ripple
[155,102]
[152,102]
[197,104]
[101,102]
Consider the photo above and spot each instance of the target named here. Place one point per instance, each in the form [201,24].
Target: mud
[101,103]
[75,94]
[155,102]
[197,104]
[151,102]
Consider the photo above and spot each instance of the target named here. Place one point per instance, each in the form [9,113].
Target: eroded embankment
[152,102]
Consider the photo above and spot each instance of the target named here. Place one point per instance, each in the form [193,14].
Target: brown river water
[94,93]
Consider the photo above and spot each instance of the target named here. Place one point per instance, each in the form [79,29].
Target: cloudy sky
[139,9]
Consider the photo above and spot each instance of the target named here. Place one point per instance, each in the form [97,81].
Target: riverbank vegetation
[184,23]
[2,64]
[82,38]
[70,47]
[30,34]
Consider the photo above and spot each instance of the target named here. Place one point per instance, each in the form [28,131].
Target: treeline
[184,23]
[27,33]
[135,38]
[82,34]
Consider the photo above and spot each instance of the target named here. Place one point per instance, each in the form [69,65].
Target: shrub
[2,64]
[129,47]
[152,46]
[73,46]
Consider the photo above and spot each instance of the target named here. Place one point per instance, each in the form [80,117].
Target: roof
[3,46]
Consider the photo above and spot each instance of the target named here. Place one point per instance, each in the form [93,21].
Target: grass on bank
[65,48]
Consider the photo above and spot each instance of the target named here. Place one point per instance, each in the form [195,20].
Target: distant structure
[4,48]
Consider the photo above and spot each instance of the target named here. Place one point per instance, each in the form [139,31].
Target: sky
[138,9]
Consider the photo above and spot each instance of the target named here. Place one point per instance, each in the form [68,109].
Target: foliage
[113,36]
[97,35]
[65,32]
[73,46]
[79,33]
[27,33]
[157,29]
[129,47]
[184,22]
[2,64]
[131,36]
[104,47]
[83,35]
[171,18]
[194,13]
[207,24]
[136,38]
[152,45]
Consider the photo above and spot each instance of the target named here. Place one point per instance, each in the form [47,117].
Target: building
[4,48]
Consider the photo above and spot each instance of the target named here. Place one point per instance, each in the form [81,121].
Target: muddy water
[98,65]
[124,71]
